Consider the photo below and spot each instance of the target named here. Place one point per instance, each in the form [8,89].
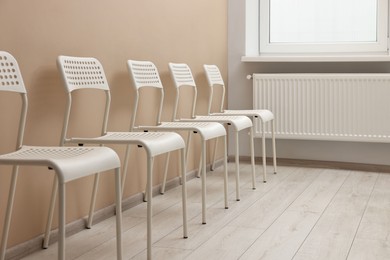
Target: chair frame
[43,156]
[182,77]
[144,74]
[148,141]
[214,79]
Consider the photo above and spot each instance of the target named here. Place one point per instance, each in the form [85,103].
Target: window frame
[378,47]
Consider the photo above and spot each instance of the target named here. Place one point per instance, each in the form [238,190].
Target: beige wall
[36,32]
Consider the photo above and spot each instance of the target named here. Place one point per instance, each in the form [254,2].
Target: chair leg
[252,147]
[125,165]
[118,208]
[225,169]
[264,155]
[200,166]
[61,221]
[50,215]
[93,200]
[274,145]
[214,154]
[188,146]
[184,192]
[146,194]
[203,182]
[237,156]
[162,190]
[149,207]
[8,214]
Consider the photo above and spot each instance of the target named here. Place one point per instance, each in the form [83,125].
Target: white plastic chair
[68,163]
[182,76]
[87,73]
[214,78]
[145,74]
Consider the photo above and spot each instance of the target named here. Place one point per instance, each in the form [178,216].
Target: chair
[214,78]
[182,76]
[144,74]
[87,73]
[68,163]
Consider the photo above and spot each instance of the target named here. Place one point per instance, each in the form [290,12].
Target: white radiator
[344,107]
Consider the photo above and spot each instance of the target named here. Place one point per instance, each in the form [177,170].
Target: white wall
[240,97]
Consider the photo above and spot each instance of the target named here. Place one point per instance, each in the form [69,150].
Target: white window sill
[318,58]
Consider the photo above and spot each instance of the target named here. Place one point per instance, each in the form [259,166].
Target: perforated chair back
[11,80]
[10,76]
[82,73]
[213,75]
[214,78]
[182,76]
[145,74]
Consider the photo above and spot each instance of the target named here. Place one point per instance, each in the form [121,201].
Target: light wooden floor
[300,213]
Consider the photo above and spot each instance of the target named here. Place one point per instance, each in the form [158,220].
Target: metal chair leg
[61,221]
[264,155]
[203,175]
[93,200]
[149,207]
[162,190]
[50,215]
[125,166]
[225,169]
[237,156]
[118,208]
[146,193]
[252,147]
[184,192]
[200,166]
[214,154]
[274,146]
[7,220]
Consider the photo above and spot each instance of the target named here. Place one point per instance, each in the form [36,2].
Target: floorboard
[300,213]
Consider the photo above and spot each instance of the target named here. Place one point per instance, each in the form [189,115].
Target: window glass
[319,21]
[323,26]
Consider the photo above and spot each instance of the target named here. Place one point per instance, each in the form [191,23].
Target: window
[323,26]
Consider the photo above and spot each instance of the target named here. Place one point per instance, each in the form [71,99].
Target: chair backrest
[214,78]
[82,73]
[10,76]
[145,74]
[182,76]
[11,80]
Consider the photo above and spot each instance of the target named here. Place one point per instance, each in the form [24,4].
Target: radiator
[339,107]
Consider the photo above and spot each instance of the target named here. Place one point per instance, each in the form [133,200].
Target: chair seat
[238,122]
[264,114]
[69,162]
[154,143]
[208,130]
